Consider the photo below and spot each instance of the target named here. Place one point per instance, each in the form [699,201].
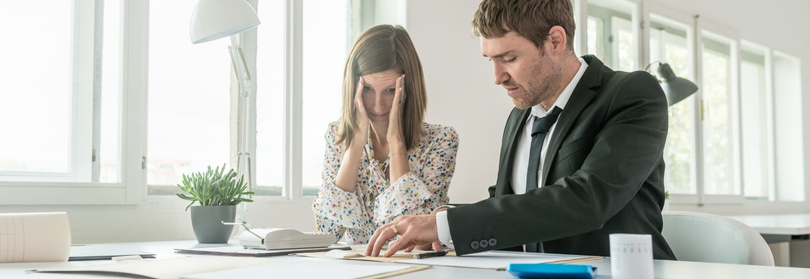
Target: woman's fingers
[358,97]
[402,92]
[395,118]
[399,94]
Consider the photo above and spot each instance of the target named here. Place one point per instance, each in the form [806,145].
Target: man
[597,170]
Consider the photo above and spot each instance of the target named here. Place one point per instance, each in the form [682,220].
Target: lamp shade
[674,87]
[214,19]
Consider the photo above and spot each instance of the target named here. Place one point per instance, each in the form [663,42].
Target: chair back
[703,237]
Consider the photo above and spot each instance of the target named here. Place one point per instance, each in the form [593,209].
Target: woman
[381,160]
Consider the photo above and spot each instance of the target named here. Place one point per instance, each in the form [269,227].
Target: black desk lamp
[675,88]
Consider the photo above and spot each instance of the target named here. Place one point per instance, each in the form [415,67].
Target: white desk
[780,227]
[663,269]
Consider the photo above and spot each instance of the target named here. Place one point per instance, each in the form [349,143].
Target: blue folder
[546,270]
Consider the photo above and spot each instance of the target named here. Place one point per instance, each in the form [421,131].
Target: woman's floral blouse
[376,201]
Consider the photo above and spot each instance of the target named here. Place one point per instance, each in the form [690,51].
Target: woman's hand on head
[360,113]
[396,137]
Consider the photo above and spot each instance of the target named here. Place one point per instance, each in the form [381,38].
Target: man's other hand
[415,231]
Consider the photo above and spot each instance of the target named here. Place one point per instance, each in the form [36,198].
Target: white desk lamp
[214,19]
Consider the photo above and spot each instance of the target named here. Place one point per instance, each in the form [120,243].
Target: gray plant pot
[207,223]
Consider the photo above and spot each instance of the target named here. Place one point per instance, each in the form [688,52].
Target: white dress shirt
[521,160]
[524,144]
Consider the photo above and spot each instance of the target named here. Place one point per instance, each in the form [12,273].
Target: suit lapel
[581,96]
[517,120]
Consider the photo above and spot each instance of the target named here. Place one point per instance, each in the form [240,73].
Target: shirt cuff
[446,206]
[443,229]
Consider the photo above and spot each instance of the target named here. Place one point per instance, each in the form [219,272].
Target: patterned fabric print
[376,201]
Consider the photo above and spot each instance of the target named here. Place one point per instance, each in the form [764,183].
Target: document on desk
[240,251]
[164,268]
[313,268]
[34,237]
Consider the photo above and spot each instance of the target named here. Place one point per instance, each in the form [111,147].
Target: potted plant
[217,192]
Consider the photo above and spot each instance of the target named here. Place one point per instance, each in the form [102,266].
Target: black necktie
[539,131]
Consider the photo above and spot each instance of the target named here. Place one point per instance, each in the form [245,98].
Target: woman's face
[378,95]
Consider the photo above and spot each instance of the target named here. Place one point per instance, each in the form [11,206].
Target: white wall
[462,95]
[461,91]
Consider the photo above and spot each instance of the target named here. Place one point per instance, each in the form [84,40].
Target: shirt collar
[539,111]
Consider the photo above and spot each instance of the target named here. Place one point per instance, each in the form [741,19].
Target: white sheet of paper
[491,259]
[166,268]
[303,268]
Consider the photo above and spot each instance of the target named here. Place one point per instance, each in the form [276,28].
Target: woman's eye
[366,88]
[391,91]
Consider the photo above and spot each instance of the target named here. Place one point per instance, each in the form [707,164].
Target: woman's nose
[379,105]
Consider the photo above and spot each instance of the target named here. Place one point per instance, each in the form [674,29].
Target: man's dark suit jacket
[603,174]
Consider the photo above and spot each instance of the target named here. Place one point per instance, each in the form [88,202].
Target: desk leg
[800,253]
[781,253]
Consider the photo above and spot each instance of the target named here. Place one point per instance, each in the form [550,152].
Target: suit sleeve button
[474,245]
[493,242]
[484,243]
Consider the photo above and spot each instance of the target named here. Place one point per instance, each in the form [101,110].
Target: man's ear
[558,39]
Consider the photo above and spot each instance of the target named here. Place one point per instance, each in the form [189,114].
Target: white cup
[631,256]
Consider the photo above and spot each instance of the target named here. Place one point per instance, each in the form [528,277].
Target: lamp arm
[240,66]
[647,69]
[245,87]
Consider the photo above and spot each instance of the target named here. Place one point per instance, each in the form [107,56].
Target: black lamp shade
[674,87]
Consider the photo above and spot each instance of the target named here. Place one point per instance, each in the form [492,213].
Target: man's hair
[531,19]
[378,49]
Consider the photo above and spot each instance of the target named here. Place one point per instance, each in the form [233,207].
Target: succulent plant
[214,187]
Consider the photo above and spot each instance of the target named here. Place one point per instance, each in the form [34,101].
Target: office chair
[702,237]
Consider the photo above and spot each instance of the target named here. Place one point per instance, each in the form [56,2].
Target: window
[717,114]
[116,146]
[668,44]
[270,99]
[733,139]
[596,34]
[186,138]
[788,139]
[323,82]
[757,134]
[64,115]
[189,125]
[613,37]
[28,154]
[624,51]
